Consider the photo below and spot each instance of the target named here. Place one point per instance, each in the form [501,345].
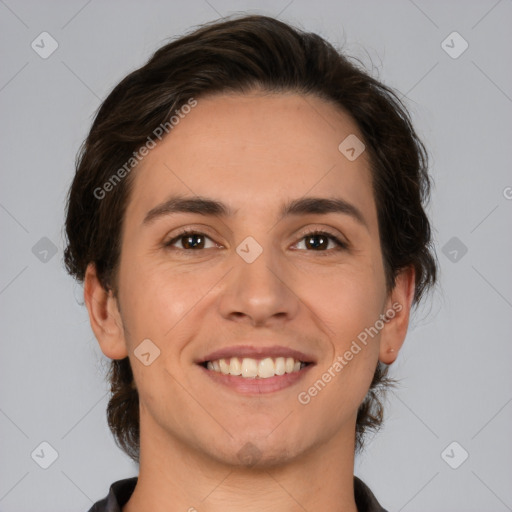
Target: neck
[175,478]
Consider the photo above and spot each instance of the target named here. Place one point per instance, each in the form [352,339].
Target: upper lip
[256,352]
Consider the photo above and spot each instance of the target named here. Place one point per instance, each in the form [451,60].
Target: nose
[260,292]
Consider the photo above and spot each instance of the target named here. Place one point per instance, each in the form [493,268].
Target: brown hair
[239,55]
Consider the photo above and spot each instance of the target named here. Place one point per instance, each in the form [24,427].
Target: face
[263,276]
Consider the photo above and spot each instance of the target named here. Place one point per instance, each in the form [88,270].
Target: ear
[398,308]
[104,315]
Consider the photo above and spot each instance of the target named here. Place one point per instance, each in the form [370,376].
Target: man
[247,219]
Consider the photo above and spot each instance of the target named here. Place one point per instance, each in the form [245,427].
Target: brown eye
[190,240]
[318,241]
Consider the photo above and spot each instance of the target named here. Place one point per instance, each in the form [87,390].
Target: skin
[252,152]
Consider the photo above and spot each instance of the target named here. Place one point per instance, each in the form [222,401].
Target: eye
[194,241]
[319,241]
[190,240]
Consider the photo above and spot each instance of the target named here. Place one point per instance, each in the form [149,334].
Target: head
[249,112]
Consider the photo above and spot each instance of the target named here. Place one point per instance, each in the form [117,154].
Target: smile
[250,368]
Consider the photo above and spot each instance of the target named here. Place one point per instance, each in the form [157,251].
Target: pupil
[191,237]
[313,237]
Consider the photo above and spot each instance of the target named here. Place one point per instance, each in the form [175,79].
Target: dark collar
[121,491]
[365,499]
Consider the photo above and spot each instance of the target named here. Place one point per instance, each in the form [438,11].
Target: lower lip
[257,386]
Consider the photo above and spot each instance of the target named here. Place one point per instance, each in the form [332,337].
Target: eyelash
[340,245]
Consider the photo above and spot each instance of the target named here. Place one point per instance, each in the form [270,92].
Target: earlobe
[398,307]
[104,316]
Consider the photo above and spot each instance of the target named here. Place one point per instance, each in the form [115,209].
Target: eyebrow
[210,207]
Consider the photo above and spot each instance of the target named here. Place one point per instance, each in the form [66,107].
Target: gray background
[454,367]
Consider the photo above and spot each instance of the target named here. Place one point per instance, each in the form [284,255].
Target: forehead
[251,151]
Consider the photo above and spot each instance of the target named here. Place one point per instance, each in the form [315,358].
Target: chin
[260,451]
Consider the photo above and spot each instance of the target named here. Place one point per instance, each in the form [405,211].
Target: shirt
[121,491]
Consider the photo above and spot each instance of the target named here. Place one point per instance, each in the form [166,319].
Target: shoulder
[365,499]
[119,493]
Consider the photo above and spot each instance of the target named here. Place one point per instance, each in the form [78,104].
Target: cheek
[157,299]
[347,301]
[349,304]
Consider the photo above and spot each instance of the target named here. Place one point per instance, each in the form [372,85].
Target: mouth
[255,368]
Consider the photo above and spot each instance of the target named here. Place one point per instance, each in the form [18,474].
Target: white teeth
[280,367]
[266,368]
[224,367]
[249,367]
[235,368]
[256,368]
